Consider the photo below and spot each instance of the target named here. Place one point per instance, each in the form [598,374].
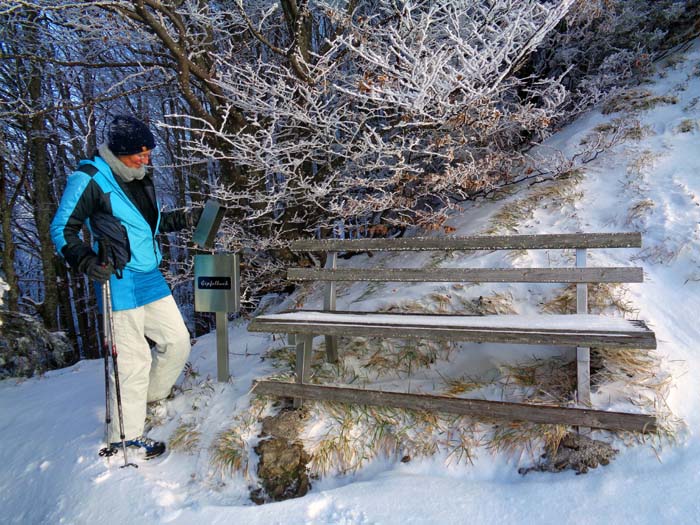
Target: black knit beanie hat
[128,135]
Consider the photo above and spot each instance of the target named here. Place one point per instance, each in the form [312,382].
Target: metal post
[329,306]
[583,354]
[222,370]
[217,283]
[303,362]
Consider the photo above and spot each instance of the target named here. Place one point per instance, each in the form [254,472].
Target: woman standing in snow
[112,191]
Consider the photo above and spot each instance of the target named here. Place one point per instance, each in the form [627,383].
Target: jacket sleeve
[173,221]
[80,200]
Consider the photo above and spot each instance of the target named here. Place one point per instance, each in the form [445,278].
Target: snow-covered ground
[51,427]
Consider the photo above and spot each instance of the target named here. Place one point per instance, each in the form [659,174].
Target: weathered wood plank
[368,327]
[482,275]
[497,410]
[481,242]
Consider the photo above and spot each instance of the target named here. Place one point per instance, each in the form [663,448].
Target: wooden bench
[580,330]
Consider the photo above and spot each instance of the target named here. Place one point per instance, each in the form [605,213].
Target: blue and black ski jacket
[95,197]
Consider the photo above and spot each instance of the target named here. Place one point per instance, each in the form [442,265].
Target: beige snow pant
[146,375]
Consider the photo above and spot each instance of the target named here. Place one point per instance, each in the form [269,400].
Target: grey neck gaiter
[118,167]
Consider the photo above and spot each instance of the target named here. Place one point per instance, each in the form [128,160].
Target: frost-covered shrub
[603,44]
[27,348]
[391,113]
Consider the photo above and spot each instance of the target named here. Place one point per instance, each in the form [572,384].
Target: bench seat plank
[567,330]
[496,410]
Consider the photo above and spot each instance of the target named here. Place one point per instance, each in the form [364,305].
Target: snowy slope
[51,427]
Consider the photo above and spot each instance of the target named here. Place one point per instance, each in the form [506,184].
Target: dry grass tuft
[639,210]
[687,126]
[229,454]
[607,127]
[515,438]
[455,387]
[636,100]
[503,193]
[229,450]
[624,128]
[344,370]
[660,253]
[635,374]
[496,304]
[638,132]
[362,358]
[540,381]
[403,357]
[643,163]
[355,435]
[345,446]
[601,297]
[454,301]
[409,306]
[674,60]
[371,289]
[635,367]
[439,303]
[638,375]
[283,357]
[560,193]
[185,438]
[461,437]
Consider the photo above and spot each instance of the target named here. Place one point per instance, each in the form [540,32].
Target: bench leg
[331,349]
[303,362]
[583,376]
[583,354]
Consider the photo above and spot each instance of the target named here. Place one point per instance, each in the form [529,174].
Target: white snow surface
[51,427]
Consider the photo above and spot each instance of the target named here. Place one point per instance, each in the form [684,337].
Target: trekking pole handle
[102,252]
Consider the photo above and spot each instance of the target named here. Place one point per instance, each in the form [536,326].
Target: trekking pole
[108,451]
[106,352]
[109,336]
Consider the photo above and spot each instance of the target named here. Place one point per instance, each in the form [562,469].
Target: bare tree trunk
[44,207]
[8,243]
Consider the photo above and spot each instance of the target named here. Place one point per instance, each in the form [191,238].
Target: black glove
[176,220]
[90,265]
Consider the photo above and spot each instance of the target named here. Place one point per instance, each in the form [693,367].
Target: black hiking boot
[152,448]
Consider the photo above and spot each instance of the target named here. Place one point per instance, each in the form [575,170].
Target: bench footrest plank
[498,410]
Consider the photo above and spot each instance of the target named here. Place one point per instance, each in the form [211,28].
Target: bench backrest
[579,241]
